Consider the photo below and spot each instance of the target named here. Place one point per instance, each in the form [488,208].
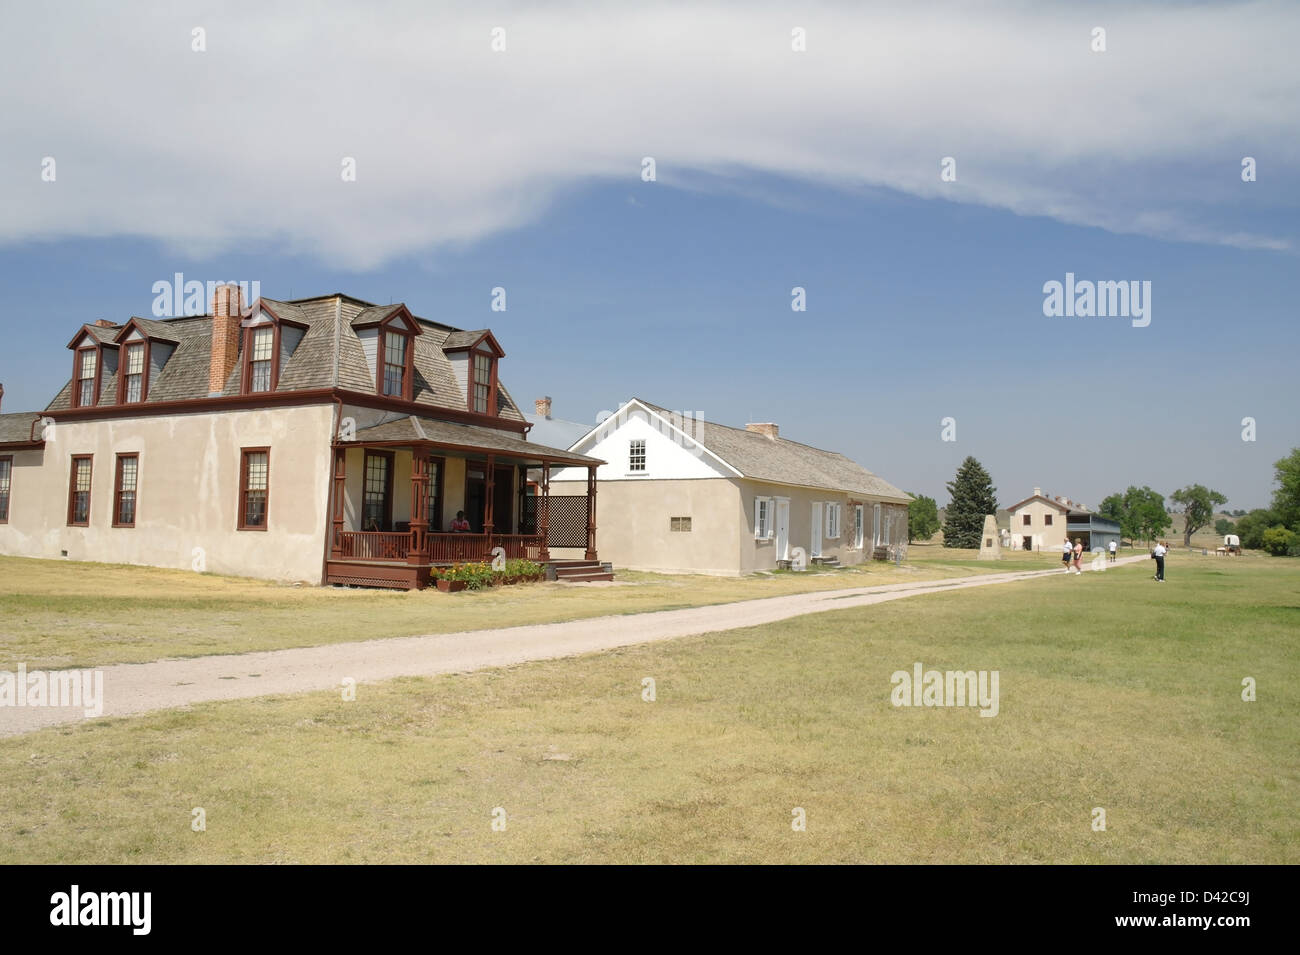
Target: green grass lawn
[1115,692]
[64,614]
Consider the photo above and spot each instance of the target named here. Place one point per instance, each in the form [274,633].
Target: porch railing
[442,548]
[374,545]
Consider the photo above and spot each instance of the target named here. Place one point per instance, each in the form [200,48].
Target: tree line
[1142,513]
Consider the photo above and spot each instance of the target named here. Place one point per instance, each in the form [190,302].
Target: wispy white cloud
[243,144]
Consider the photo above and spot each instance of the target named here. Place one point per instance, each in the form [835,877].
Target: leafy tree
[1286,499]
[1223,526]
[1145,514]
[1197,503]
[1278,540]
[973,497]
[1252,526]
[922,518]
[1237,513]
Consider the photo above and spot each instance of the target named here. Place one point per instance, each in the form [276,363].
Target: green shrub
[1279,541]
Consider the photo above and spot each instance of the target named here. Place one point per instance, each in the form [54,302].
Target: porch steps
[825,561]
[580,571]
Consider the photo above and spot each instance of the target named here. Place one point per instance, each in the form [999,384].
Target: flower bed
[479,574]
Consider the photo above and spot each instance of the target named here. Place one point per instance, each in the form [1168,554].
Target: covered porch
[415,493]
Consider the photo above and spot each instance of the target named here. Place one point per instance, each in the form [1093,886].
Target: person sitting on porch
[460,525]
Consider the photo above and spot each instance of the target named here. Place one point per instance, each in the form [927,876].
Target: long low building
[679,494]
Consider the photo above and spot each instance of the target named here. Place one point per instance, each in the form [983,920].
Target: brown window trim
[1026,520]
[4,515]
[243,490]
[77,379]
[72,489]
[117,489]
[122,353]
[492,383]
[246,362]
[388,485]
[408,372]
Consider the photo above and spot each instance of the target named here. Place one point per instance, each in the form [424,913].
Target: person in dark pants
[1159,554]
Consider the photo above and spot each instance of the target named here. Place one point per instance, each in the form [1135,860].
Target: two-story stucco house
[322,439]
[683,495]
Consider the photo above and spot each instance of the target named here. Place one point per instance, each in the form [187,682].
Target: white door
[782,528]
[815,540]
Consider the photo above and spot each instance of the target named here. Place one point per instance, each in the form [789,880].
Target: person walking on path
[1114,547]
[1158,553]
[1078,555]
[1066,552]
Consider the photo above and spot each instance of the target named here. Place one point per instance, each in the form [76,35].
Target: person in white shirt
[1067,552]
[1113,548]
[1159,554]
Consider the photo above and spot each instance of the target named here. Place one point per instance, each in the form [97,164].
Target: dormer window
[142,351]
[396,345]
[260,358]
[387,335]
[474,356]
[87,377]
[269,341]
[133,372]
[483,383]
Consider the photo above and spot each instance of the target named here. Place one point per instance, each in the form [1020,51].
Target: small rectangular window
[134,371]
[832,520]
[6,476]
[86,378]
[254,488]
[124,487]
[394,364]
[636,454]
[679,525]
[79,491]
[1027,519]
[1047,520]
[762,518]
[259,359]
[482,382]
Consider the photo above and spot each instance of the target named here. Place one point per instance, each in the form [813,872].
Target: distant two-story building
[1043,523]
[324,439]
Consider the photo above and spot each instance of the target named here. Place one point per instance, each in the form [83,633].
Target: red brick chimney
[227,307]
[2,395]
[766,428]
[543,407]
[104,323]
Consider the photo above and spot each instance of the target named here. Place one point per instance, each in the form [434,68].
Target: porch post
[544,511]
[417,550]
[489,492]
[340,482]
[591,513]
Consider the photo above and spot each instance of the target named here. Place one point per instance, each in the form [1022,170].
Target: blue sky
[924,298]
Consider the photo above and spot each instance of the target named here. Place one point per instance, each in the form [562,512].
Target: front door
[782,528]
[475,496]
[503,500]
[815,538]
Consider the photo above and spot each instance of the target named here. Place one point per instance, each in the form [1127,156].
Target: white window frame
[859,525]
[632,456]
[764,525]
[832,520]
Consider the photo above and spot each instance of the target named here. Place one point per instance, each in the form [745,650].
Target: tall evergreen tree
[973,497]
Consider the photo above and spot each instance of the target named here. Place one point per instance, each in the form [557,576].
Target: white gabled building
[678,494]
